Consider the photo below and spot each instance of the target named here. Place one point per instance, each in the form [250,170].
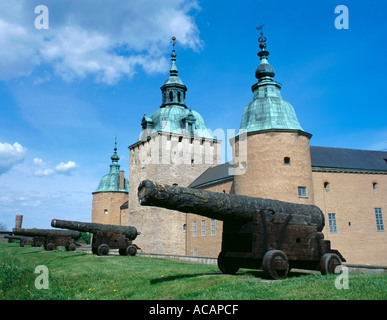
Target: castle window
[106,211]
[375,186]
[203,227]
[302,192]
[379,219]
[212,227]
[332,222]
[326,186]
[194,228]
[286,160]
[179,96]
[170,96]
[184,227]
[180,138]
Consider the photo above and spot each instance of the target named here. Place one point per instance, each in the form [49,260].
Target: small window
[179,96]
[302,192]
[212,227]
[203,227]
[194,228]
[326,186]
[375,186]
[184,227]
[286,160]
[195,252]
[170,96]
[106,211]
[379,219]
[180,138]
[332,222]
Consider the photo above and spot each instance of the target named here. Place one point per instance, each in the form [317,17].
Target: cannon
[105,236]
[23,240]
[258,233]
[50,238]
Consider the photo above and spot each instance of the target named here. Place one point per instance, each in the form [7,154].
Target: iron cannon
[258,233]
[105,236]
[23,240]
[50,238]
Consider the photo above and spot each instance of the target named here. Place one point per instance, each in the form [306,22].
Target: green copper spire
[173,90]
[267,110]
[173,115]
[111,181]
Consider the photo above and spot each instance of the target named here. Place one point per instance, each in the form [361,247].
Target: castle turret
[276,163]
[111,194]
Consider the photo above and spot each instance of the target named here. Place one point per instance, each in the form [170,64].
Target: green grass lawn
[83,276]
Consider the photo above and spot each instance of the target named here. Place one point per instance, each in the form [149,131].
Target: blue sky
[66,92]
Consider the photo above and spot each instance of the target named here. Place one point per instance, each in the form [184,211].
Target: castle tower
[174,147]
[111,195]
[276,163]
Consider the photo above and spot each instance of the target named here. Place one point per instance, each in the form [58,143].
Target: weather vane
[261,39]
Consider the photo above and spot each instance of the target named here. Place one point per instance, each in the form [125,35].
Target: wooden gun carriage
[50,238]
[105,236]
[266,234]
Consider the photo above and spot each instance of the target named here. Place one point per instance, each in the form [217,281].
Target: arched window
[179,96]
[170,96]
[326,185]
[375,186]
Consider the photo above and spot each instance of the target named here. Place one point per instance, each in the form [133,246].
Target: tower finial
[115,156]
[261,39]
[264,71]
[173,71]
[173,41]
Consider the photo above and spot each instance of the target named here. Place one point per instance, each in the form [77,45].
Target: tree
[3,227]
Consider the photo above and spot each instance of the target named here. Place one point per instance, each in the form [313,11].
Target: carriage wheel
[275,264]
[329,262]
[72,247]
[103,249]
[50,246]
[131,250]
[226,265]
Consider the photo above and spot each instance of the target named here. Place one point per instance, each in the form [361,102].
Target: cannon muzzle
[221,206]
[130,232]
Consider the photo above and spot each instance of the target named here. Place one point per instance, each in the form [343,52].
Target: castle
[272,158]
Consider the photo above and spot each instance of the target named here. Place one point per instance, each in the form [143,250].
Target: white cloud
[10,155]
[61,168]
[44,172]
[39,162]
[107,41]
[65,168]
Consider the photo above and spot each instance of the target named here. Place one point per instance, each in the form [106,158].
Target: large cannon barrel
[221,206]
[46,232]
[130,232]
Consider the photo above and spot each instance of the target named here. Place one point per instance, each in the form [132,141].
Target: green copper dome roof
[111,181]
[173,115]
[267,110]
[179,120]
